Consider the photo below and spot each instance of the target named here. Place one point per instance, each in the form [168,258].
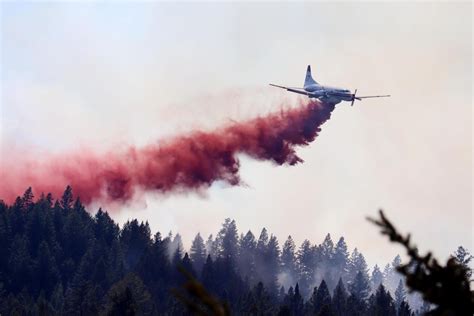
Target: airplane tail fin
[308,80]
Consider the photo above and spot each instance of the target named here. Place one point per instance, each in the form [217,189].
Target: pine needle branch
[447,287]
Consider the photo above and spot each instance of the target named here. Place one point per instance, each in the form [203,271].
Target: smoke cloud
[185,163]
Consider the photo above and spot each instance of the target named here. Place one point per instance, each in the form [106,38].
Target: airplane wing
[295,90]
[373,96]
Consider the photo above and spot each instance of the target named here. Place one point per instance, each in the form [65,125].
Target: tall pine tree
[198,252]
[339,299]
[288,262]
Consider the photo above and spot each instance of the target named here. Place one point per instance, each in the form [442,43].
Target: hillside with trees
[56,258]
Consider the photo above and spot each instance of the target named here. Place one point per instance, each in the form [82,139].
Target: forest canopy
[57,258]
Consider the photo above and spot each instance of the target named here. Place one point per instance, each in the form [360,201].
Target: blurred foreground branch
[447,287]
[197,299]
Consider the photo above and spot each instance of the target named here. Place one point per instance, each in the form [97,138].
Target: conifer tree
[376,279]
[357,264]
[230,242]
[400,294]
[323,298]
[382,303]
[325,264]
[129,296]
[28,198]
[262,240]
[339,299]
[288,260]
[20,264]
[341,259]
[296,302]
[387,274]
[281,294]
[135,239]
[464,257]
[397,261]
[5,237]
[246,259]
[306,264]
[272,264]
[105,228]
[198,252]
[208,274]
[404,309]
[226,242]
[210,248]
[360,287]
[327,248]
[289,296]
[355,306]
[260,302]
[261,257]
[67,199]
[176,246]
[176,261]
[393,277]
[187,265]
[311,302]
[46,272]
[57,299]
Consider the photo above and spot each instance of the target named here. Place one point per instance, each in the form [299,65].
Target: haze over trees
[58,259]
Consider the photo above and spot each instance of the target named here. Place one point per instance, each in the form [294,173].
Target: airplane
[312,89]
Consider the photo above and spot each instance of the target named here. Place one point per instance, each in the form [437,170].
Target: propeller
[354,97]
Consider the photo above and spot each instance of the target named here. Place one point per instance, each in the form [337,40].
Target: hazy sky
[104,75]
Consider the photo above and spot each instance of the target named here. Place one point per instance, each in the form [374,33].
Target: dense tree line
[58,259]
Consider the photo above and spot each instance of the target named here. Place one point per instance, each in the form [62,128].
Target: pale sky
[101,75]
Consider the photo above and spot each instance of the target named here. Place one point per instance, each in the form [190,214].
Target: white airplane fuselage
[328,94]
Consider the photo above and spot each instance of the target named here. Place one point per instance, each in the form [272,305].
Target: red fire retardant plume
[190,162]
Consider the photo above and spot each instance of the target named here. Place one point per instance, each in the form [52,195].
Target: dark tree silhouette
[447,287]
[323,298]
[339,299]
[381,304]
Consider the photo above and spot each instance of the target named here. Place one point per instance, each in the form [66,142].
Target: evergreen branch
[448,286]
